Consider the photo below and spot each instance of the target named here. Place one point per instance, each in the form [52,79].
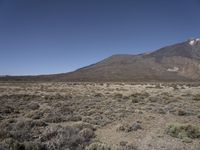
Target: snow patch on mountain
[194,41]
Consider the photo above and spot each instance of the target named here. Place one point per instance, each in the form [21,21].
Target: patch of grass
[183,131]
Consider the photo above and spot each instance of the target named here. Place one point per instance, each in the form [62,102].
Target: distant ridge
[178,62]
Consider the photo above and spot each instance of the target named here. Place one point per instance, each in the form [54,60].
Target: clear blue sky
[53,36]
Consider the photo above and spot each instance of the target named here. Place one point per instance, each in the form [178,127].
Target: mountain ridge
[177,62]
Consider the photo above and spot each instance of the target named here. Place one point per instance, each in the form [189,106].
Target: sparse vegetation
[96,116]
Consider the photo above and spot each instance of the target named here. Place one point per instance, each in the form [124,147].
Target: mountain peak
[194,41]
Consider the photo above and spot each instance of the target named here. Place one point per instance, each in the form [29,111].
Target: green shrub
[183,131]
[98,146]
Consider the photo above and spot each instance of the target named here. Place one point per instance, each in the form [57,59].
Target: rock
[136,126]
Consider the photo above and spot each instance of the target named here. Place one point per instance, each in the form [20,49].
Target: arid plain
[100,116]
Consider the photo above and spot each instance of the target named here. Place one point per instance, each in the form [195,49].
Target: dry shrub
[68,137]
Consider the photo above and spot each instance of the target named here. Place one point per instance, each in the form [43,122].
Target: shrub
[161,111]
[181,112]
[75,118]
[135,100]
[128,128]
[183,131]
[98,146]
[196,97]
[59,137]
[128,147]
[82,125]
[21,130]
[69,137]
[175,86]
[123,143]
[54,118]
[1,118]
[154,99]
[86,134]
[27,146]
[33,106]
[35,115]
[118,95]
[7,110]
[140,95]
[98,95]
[158,86]
[13,144]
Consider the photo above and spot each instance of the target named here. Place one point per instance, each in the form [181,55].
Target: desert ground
[99,116]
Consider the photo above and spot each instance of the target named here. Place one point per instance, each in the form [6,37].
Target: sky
[57,36]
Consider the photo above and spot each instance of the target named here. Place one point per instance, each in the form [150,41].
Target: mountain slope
[179,62]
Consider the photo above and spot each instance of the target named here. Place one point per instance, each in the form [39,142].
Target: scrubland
[99,116]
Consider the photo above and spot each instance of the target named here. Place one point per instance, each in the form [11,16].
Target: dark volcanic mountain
[179,62]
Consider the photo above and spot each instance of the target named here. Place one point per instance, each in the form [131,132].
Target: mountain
[178,62]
